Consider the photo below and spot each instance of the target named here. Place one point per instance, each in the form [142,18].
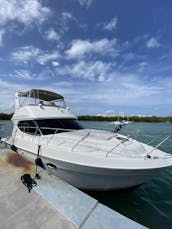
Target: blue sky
[104,56]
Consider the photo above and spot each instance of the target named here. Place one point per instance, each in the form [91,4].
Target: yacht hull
[91,178]
[96,178]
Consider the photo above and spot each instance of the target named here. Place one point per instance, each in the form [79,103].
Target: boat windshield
[51,126]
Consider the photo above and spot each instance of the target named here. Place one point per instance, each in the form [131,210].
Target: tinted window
[62,124]
[28,127]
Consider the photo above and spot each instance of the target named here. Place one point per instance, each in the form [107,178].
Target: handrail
[159,144]
[52,136]
[122,141]
[83,138]
[113,136]
[51,128]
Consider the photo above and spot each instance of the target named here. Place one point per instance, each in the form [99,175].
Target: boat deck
[51,204]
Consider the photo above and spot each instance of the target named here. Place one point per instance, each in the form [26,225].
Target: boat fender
[14,148]
[38,161]
[51,166]
[28,181]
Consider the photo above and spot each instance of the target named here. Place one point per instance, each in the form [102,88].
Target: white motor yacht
[88,159]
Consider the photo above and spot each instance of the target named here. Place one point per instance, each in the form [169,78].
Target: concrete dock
[51,204]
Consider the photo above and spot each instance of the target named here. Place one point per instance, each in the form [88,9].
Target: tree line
[4,116]
[133,118]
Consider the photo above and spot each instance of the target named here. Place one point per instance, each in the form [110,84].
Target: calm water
[150,204]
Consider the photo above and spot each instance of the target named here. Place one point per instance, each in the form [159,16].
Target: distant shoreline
[4,116]
[132,118]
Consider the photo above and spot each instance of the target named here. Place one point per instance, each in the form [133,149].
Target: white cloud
[140,38]
[152,43]
[63,84]
[67,16]
[29,53]
[65,21]
[109,111]
[128,56]
[137,88]
[86,3]
[142,66]
[25,11]
[8,86]
[80,48]
[52,35]
[25,54]
[122,90]
[111,25]
[8,90]
[46,57]
[55,63]
[22,74]
[25,74]
[94,71]
[2,32]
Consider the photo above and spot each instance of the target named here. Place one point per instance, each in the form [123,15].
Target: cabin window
[29,127]
[51,126]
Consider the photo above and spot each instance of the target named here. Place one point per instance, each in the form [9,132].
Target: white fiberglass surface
[92,151]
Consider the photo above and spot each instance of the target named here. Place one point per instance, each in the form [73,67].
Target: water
[150,204]
[5,128]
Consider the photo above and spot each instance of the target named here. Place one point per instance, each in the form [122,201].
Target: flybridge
[41,94]
[39,97]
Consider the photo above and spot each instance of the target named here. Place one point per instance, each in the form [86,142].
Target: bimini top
[41,94]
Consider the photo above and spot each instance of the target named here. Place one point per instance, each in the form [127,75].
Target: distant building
[106,115]
[121,114]
[143,115]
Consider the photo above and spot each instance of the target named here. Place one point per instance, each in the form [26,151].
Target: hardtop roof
[41,94]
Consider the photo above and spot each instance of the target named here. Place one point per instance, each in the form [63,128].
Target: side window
[51,126]
[28,127]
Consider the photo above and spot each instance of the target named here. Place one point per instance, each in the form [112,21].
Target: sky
[103,56]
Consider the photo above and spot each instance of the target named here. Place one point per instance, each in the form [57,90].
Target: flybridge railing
[24,101]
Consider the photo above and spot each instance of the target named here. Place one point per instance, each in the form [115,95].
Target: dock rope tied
[28,181]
